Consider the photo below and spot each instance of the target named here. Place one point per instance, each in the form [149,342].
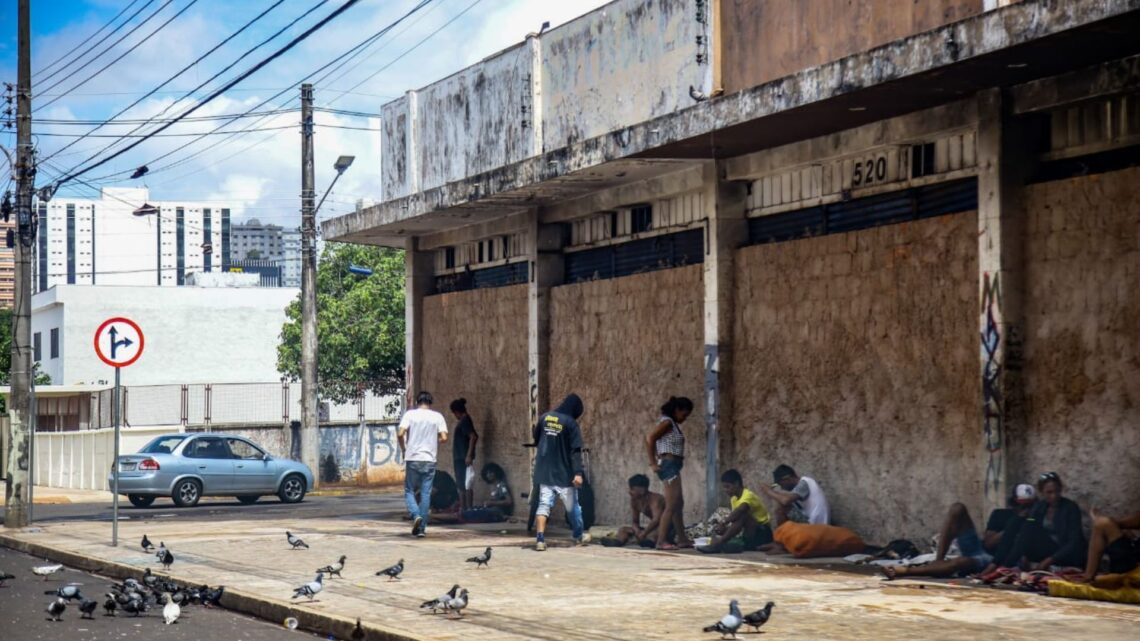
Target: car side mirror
[266,457]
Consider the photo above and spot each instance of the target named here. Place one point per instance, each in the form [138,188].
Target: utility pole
[19,485]
[310,427]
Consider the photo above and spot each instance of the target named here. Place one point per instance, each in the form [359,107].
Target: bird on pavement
[759,617]
[357,632]
[310,589]
[147,546]
[729,623]
[160,552]
[55,609]
[68,592]
[482,559]
[437,603]
[334,568]
[167,560]
[4,576]
[171,611]
[457,603]
[110,605]
[134,606]
[295,541]
[212,597]
[46,570]
[88,608]
[393,573]
[149,579]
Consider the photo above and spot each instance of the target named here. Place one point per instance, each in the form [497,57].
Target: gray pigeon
[110,605]
[482,559]
[68,592]
[310,589]
[393,573]
[167,560]
[149,580]
[439,602]
[160,552]
[88,608]
[147,546]
[295,541]
[335,568]
[55,609]
[728,624]
[457,603]
[4,576]
[759,617]
[47,570]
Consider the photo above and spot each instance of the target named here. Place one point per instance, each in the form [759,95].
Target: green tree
[6,356]
[360,323]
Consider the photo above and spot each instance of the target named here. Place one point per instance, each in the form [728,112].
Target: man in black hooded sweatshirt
[558,468]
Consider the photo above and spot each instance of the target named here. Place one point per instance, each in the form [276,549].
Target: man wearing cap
[977,552]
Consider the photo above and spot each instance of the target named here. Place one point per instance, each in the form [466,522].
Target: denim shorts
[670,469]
[971,546]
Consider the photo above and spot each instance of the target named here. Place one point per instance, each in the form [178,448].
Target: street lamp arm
[327,192]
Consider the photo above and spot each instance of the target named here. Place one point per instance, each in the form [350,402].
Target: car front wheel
[292,489]
[139,500]
[248,499]
[187,493]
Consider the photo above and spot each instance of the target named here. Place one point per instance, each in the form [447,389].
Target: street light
[342,163]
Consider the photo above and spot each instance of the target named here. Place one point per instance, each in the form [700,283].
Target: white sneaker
[585,539]
[540,546]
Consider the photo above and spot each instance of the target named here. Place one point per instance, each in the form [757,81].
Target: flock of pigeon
[133,596]
[732,621]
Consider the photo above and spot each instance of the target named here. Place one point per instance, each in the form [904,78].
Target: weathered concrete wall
[624,63]
[394,131]
[475,347]
[763,41]
[625,345]
[855,362]
[1082,339]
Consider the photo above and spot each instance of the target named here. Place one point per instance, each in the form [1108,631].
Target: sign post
[118,343]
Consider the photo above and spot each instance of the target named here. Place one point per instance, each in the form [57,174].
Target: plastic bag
[469,482]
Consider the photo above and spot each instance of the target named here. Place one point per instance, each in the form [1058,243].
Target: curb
[270,610]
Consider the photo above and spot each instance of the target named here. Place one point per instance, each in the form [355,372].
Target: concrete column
[727,229]
[545,244]
[418,282]
[1003,163]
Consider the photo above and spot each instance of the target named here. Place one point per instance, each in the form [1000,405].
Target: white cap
[1025,493]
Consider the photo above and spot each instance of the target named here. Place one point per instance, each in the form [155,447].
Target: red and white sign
[119,341]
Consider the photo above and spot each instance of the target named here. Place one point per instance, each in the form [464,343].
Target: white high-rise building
[123,238]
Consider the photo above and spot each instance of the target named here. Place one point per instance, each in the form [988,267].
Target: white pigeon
[171,611]
[457,603]
[729,623]
[160,552]
[46,570]
[310,589]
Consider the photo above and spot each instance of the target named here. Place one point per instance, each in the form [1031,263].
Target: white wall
[193,334]
[50,316]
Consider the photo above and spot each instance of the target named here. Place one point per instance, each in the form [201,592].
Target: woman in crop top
[666,448]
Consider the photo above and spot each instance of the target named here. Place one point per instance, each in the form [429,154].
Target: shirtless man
[642,502]
[1109,537]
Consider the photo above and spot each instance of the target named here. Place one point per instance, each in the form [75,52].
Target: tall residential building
[7,266]
[123,238]
[254,240]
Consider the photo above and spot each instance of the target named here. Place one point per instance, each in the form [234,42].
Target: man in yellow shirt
[748,525]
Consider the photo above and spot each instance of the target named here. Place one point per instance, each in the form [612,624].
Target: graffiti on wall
[1001,358]
[383,447]
[533,398]
[712,385]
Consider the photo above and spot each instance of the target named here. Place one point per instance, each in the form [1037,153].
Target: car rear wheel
[292,489]
[186,493]
[248,499]
[140,500]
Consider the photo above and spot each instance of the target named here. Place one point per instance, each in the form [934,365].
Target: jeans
[419,475]
[569,496]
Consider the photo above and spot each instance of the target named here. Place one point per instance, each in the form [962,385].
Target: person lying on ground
[1052,534]
[749,519]
[500,505]
[797,498]
[977,552]
[642,502]
[1109,537]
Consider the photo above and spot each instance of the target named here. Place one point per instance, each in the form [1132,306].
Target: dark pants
[418,476]
[1035,544]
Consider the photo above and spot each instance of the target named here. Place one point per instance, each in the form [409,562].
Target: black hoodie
[559,442]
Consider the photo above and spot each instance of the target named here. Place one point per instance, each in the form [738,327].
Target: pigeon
[167,560]
[759,617]
[147,546]
[357,632]
[110,605]
[46,570]
[160,552]
[171,611]
[482,559]
[4,576]
[88,608]
[335,568]
[457,603]
[437,603]
[68,592]
[134,606]
[295,541]
[149,580]
[212,597]
[393,573]
[56,608]
[728,624]
[310,589]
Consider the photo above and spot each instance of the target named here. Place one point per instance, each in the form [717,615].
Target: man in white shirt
[420,433]
[797,498]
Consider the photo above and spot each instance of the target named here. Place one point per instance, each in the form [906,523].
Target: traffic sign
[119,341]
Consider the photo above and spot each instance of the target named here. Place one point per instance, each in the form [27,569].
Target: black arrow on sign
[116,344]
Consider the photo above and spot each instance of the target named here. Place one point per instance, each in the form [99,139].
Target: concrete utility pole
[18,493]
[310,427]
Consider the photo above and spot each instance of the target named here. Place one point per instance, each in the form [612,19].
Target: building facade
[892,244]
[123,238]
[269,245]
[7,266]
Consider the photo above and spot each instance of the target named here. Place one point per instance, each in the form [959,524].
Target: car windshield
[163,444]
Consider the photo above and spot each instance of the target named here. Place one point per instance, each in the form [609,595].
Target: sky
[256,173]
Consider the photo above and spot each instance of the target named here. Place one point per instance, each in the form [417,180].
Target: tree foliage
[6,351]
[360,323]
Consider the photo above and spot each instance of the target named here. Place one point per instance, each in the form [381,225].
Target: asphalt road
[23,615]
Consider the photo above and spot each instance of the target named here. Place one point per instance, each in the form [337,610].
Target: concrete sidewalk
[565,593]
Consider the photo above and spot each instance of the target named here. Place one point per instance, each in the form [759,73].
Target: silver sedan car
[187,467]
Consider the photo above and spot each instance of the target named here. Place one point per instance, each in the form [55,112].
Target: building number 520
[870,171]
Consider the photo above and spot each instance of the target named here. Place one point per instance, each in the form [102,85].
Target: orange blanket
[805,541]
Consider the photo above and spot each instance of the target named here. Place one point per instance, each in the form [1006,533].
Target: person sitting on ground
[641,502]
[749,519]
[977,552]
[500,505]
[1052,534]
[1108,537]
[797,498]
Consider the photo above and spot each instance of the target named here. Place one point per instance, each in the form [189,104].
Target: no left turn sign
[119,341]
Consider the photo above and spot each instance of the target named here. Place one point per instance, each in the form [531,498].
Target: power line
[88,39]
[185,135]
[88,50]
[144,121]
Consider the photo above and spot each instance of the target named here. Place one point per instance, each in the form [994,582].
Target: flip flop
[669,547]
